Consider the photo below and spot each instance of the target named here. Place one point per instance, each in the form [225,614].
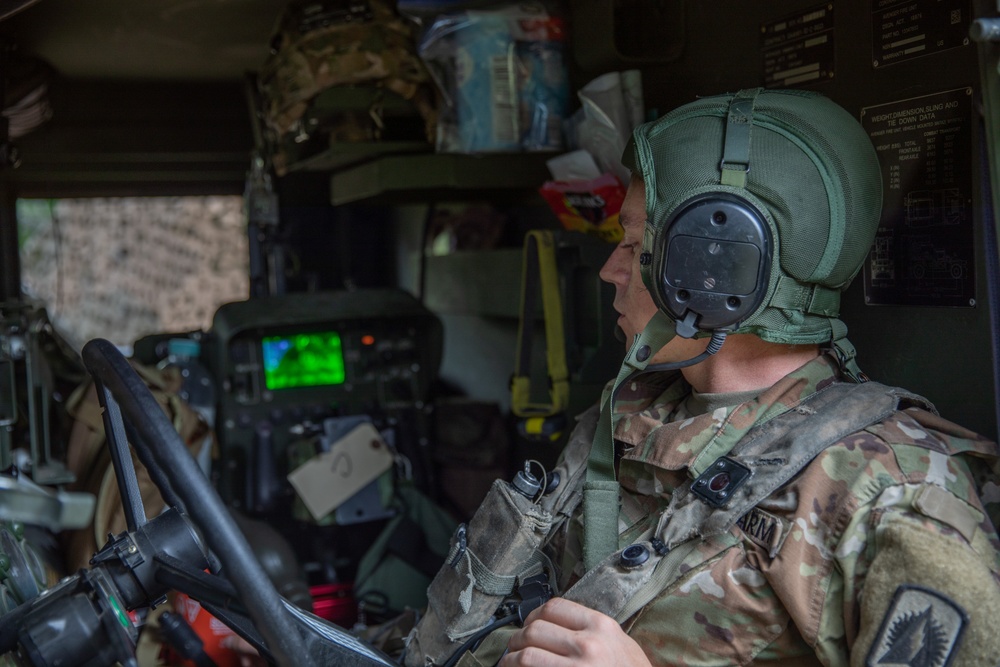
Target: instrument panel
[287,363]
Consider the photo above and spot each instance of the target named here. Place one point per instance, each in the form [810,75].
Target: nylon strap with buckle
[540,274]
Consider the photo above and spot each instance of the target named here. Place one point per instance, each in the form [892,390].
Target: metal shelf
[423,177]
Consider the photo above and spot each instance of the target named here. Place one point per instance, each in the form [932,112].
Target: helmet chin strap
[660,331]
[600,490]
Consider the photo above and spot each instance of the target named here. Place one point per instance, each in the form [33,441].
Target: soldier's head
[747,213]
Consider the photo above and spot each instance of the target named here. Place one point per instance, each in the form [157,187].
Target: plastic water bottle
[197,387]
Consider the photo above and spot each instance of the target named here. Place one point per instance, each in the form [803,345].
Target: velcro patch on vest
[765,530]
[922,628]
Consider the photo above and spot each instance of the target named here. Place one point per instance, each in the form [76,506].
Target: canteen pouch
[499,547]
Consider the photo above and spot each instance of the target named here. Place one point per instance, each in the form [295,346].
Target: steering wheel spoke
[126,397]
[121,458]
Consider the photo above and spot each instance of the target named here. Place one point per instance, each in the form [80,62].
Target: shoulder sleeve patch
[927,600]
[922,628]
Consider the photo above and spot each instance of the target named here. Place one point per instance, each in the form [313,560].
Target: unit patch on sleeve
[922,628]
[764,529]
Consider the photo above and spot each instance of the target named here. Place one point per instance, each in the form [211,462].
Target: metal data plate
[924,253]
[799,49]
[907,29]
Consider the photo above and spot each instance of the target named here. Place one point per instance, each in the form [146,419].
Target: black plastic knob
[634,556]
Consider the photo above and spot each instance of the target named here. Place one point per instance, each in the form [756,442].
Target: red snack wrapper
[591,206]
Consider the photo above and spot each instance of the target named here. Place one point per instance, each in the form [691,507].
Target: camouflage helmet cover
[812,173]
[319,44]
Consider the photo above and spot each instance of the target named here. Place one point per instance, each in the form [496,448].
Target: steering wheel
[292,637]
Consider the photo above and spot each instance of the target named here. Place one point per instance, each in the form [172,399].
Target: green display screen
[303,360]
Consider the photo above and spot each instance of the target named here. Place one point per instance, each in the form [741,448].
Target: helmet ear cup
[711,263]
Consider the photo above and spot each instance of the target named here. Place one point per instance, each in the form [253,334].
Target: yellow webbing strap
[540,274]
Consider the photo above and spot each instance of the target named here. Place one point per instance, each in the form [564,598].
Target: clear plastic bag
[503,77]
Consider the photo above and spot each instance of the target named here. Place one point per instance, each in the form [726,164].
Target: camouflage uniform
[787,583]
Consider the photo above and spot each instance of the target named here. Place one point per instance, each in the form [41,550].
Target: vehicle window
[122,268]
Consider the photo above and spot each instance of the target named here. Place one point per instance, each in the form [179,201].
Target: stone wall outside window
[123,268]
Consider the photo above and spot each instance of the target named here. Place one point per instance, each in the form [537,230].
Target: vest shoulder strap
[773,453]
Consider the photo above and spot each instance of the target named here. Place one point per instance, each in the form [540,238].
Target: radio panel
[287,363]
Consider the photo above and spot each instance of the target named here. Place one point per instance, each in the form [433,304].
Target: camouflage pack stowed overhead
[319,44]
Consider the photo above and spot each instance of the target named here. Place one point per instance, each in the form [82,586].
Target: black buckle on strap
[716,485]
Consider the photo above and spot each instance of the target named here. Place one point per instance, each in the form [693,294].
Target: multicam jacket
[834,568]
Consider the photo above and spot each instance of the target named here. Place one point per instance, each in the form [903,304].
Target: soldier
[745,496]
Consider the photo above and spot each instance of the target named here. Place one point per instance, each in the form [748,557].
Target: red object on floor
[210,629]
[335,603]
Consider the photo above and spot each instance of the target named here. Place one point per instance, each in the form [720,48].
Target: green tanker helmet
[761,208]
